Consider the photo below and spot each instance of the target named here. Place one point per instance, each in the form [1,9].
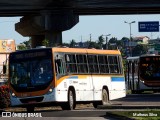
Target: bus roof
[84,50]
[133,58]
[146,55]
[74,50]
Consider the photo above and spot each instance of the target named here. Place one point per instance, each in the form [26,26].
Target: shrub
[4,96]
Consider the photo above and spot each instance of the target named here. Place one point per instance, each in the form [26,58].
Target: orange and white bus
[143,73]
[65,76]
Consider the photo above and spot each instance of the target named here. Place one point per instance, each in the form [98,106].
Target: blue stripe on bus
[73,77]
[117,79]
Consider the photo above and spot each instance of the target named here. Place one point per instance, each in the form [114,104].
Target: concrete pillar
[48,26]
[55,23]
[54,38]
[36,40]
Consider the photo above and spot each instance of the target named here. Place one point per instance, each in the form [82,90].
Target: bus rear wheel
[105,99]
[71,104]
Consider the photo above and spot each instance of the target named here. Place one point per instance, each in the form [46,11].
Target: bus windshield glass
[28,74]
[150,68]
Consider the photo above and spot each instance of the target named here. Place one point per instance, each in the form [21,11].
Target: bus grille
[31,100]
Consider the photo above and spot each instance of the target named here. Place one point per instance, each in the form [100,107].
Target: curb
[127,107]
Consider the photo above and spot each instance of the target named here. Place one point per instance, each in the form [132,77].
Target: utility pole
[106,40]
[90,37]
[130,34]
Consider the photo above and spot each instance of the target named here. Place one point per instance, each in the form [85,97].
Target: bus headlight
[13,94]
[50,90]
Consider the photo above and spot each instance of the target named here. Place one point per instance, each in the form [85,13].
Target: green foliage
[136,115]
[45,42]
[113,43]
[100,42]
[93,44]
[21,47]
[113,40]
[27,43]
[4,96]
[139,50]
[24,45]
[66,44]
[72,43]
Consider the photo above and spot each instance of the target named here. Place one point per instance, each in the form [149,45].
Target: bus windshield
[28,75]
[150,68]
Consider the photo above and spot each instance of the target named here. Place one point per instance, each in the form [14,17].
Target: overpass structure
[46,19]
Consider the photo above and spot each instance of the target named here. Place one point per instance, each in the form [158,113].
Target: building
[141,40]
[6,47]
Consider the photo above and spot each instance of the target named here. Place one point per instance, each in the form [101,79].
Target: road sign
[148,26]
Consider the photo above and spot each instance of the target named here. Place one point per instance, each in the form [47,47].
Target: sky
[94,25]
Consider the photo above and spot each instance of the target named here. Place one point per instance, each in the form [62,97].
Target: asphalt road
[87,112]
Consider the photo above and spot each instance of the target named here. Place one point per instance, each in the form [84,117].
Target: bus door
[60,70]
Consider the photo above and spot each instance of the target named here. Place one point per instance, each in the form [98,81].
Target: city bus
[143,73]
[65,77]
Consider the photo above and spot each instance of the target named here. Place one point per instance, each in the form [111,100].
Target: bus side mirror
[4,69]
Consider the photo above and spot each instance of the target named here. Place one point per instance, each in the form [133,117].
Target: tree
[45,42]
[21,46]
[100,41]
[113,40]
[139,50]
[24,45]
[113,43]
[27,43]
[92,44]
[72,43]
[66,44]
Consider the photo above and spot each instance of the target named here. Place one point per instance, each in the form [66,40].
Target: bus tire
[105,98]
[30,109]
[71,100]
[71,104]
[104,101]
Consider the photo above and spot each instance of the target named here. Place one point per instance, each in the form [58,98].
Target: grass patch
[128,92]
[136,115]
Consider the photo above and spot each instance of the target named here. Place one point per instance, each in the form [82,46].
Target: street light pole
[106,40]
[130,34]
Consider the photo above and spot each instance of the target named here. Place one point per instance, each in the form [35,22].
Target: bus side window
[82,63]
[102,64]
[93,64]
[71,66]
[113,64]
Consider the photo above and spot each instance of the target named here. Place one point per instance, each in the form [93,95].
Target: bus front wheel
[71,104]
